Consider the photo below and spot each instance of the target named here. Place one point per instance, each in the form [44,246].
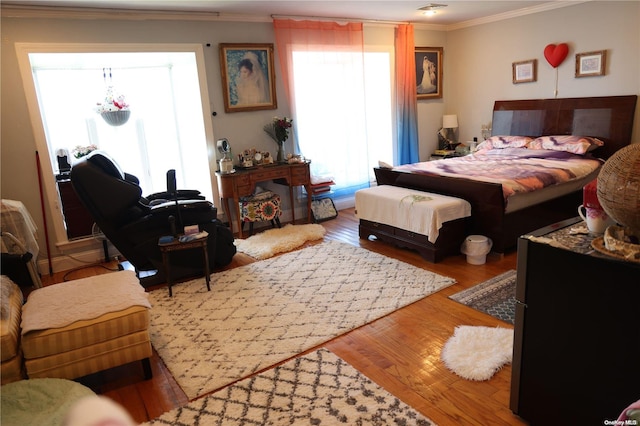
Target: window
[164,99]
[166,92]
[344,128]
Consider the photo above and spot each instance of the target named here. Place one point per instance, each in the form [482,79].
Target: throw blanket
[62,304]
[518,170]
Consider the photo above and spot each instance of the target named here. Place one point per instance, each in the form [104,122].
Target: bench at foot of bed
[432,224]
[452,234]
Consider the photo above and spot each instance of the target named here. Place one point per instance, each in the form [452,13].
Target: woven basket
[619,187]
[116,118]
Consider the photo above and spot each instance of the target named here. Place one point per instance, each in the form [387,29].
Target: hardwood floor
[400,352]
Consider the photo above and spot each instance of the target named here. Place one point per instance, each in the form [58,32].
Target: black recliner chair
[134,223]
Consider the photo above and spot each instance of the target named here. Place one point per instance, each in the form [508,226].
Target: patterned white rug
[260,314]
[315,389]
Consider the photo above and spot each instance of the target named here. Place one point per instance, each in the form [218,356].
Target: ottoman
[80,327]
[432,224]
[263,206]
[11,301]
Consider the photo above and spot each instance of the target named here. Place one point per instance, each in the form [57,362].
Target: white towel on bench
[408,209]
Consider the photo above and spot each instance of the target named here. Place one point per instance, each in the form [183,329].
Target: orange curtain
[313,35]
[408,147]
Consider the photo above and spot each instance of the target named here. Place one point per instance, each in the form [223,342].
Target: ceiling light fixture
[431,8]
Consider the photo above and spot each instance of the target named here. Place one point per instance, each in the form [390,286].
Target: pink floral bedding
[519,170]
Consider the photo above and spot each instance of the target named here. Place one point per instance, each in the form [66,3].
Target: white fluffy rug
[476,352]
[279,240]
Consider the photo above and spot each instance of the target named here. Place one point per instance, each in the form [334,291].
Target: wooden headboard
[608,118]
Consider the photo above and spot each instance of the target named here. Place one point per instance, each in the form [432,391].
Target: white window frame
[48,178]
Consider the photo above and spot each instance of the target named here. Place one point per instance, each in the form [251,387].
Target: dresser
[576,356]
[78,220]
[242,183]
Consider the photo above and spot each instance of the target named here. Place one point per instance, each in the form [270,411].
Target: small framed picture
[525,71]
[248,77]
[428,72]
[591,63]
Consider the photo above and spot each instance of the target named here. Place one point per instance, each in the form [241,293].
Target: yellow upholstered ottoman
[83,326]
[11,301]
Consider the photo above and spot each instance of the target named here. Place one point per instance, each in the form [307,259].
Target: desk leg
[236,202]
[293,206]
[309,216]
[227,212]
[224,202]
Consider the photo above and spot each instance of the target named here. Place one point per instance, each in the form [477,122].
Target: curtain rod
[325,18]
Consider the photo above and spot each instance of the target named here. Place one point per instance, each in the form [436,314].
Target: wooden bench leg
[146,368]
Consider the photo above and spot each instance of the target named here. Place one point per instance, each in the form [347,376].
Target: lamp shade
[450,121]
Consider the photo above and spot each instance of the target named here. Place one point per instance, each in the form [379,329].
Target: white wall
[478,60]
[477,71]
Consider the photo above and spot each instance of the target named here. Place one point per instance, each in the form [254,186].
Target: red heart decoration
[556,54]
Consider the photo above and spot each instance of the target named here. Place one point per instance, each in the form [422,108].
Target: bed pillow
[570,143]
[500,142]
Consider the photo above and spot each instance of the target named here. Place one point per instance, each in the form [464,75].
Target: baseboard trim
[66,262]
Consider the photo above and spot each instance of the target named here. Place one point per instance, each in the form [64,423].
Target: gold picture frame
[428,63]
[248,77]
[525,71]
[590,64]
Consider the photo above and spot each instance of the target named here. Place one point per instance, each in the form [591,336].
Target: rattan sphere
[619,187]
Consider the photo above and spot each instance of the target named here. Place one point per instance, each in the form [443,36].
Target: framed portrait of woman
[428,72]
[248,78]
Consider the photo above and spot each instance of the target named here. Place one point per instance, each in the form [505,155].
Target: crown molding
[515,14]
[58,12]
[13,10]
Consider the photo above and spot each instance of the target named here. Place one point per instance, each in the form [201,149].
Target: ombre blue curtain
[407,117]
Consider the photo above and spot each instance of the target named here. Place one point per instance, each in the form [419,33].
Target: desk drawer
[263,175]
[243,179]
[245,190]
[300,175]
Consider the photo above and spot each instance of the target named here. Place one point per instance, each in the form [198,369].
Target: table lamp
[446,135]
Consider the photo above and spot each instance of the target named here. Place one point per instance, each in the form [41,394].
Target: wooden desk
[243,182]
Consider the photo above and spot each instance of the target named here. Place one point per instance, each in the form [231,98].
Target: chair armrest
[183,194]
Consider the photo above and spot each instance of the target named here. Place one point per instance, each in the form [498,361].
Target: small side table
[176,245]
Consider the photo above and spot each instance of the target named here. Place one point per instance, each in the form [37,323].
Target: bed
[494,213]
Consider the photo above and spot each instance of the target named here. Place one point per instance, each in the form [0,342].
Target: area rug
[476,352]
[496,296]
[279,240]
[260,314]
[315,389]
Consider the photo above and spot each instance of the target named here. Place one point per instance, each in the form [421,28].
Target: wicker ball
[619,187]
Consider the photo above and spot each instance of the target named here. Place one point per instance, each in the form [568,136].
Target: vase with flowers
[278,129]
[80,151]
